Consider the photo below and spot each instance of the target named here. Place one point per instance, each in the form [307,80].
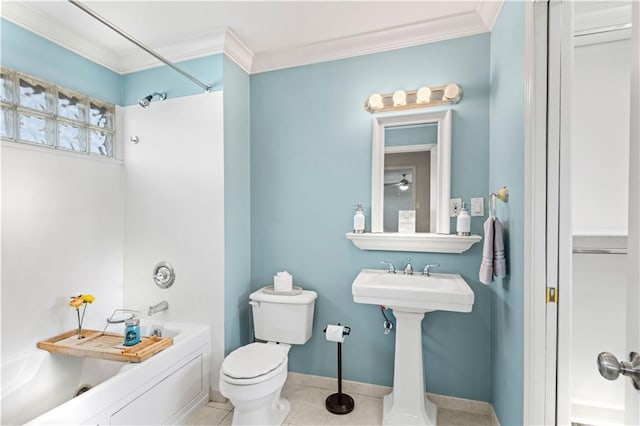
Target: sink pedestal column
[407,403]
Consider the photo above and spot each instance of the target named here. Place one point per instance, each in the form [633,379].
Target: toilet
[252,376]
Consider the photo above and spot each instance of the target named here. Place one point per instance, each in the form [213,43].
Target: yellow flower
[76,302]
[88,298]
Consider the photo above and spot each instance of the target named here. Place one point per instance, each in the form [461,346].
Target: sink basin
[410,297]
[414,293]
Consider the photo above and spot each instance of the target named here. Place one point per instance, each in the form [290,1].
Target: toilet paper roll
[283,282]
[335,333]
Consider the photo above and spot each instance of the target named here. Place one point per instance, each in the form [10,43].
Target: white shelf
[418,242]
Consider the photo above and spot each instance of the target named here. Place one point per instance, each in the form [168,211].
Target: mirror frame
[443,173]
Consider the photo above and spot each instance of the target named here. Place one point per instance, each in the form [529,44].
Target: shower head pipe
[144,102]
[90,12]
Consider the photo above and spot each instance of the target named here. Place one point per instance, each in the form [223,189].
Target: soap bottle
[132,332]
[358,220]
[463,223]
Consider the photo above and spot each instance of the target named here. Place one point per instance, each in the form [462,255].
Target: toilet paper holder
[340,403]
[345,332]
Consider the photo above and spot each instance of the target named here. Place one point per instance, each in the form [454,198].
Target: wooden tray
[96,344]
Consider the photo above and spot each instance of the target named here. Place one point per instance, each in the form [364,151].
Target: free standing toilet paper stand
[340,403]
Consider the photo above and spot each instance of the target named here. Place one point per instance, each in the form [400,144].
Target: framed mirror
[411,171]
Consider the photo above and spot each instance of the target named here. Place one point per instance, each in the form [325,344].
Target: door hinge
[552,295]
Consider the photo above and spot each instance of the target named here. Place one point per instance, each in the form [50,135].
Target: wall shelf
[418,242]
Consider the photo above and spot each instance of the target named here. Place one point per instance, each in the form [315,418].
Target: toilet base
[272,414]
[339,403]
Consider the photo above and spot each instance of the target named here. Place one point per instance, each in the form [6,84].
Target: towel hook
[502,195]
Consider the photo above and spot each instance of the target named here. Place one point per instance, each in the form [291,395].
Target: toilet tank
[283,318]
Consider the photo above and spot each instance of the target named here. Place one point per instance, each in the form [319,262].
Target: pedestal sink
[410,297]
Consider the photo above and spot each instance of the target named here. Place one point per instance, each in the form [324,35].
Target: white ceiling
[260,36]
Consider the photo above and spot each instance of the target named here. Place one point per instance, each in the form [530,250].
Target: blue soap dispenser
[132,332]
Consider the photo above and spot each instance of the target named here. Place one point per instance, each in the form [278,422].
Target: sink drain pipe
[338,403]
[387,325]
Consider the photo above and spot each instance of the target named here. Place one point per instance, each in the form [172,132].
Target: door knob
[610,368]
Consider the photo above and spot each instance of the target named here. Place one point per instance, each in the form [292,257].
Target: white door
[561,340]
[632,396]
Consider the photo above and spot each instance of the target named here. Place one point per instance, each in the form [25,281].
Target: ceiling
[259,36]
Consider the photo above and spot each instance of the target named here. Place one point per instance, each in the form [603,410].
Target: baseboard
[216,396]
[329,383]
[494,417]
[378,391]
[461,404]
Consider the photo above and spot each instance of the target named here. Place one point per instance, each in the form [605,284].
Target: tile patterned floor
[307,408]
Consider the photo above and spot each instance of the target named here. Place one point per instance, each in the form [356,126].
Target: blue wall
[31,54]
[138,84]
[507,165]
[237,206]
[311,163]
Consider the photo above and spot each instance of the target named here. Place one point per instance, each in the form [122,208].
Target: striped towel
[486,267]
[499,261]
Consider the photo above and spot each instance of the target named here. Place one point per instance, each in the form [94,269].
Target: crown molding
[237,51]
[489,11]
[204,44]
[223,40]
[445,28]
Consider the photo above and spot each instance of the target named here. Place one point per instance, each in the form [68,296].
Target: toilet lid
[253,360]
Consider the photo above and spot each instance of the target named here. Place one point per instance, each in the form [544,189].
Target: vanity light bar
[419,98]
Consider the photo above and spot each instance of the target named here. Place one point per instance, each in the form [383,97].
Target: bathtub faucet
[158,307]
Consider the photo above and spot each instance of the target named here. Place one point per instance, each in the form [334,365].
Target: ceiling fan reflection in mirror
[403,184]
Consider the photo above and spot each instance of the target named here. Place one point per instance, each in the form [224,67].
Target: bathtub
[39,387]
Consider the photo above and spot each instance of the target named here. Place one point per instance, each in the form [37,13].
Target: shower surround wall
[61,234]
[173,198]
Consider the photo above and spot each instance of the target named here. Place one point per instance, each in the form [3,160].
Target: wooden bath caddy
[96,344]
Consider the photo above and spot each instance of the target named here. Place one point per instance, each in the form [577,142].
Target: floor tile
[220,405]
[462,418]
[307,413]
[227,420]
[208,416]
[308,408]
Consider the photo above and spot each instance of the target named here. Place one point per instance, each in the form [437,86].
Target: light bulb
[399,98]
[451,92]
[375,101]
[423,95]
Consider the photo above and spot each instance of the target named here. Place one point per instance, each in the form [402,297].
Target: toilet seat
[253,363]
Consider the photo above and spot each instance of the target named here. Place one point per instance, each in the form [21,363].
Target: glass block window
[39,113]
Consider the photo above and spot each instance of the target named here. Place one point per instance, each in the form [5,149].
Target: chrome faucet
[392,269]
[158,307]
[408,269]
[121,315]
[427,269]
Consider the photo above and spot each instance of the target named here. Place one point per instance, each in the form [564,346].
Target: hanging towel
[499,261]
[486,267]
